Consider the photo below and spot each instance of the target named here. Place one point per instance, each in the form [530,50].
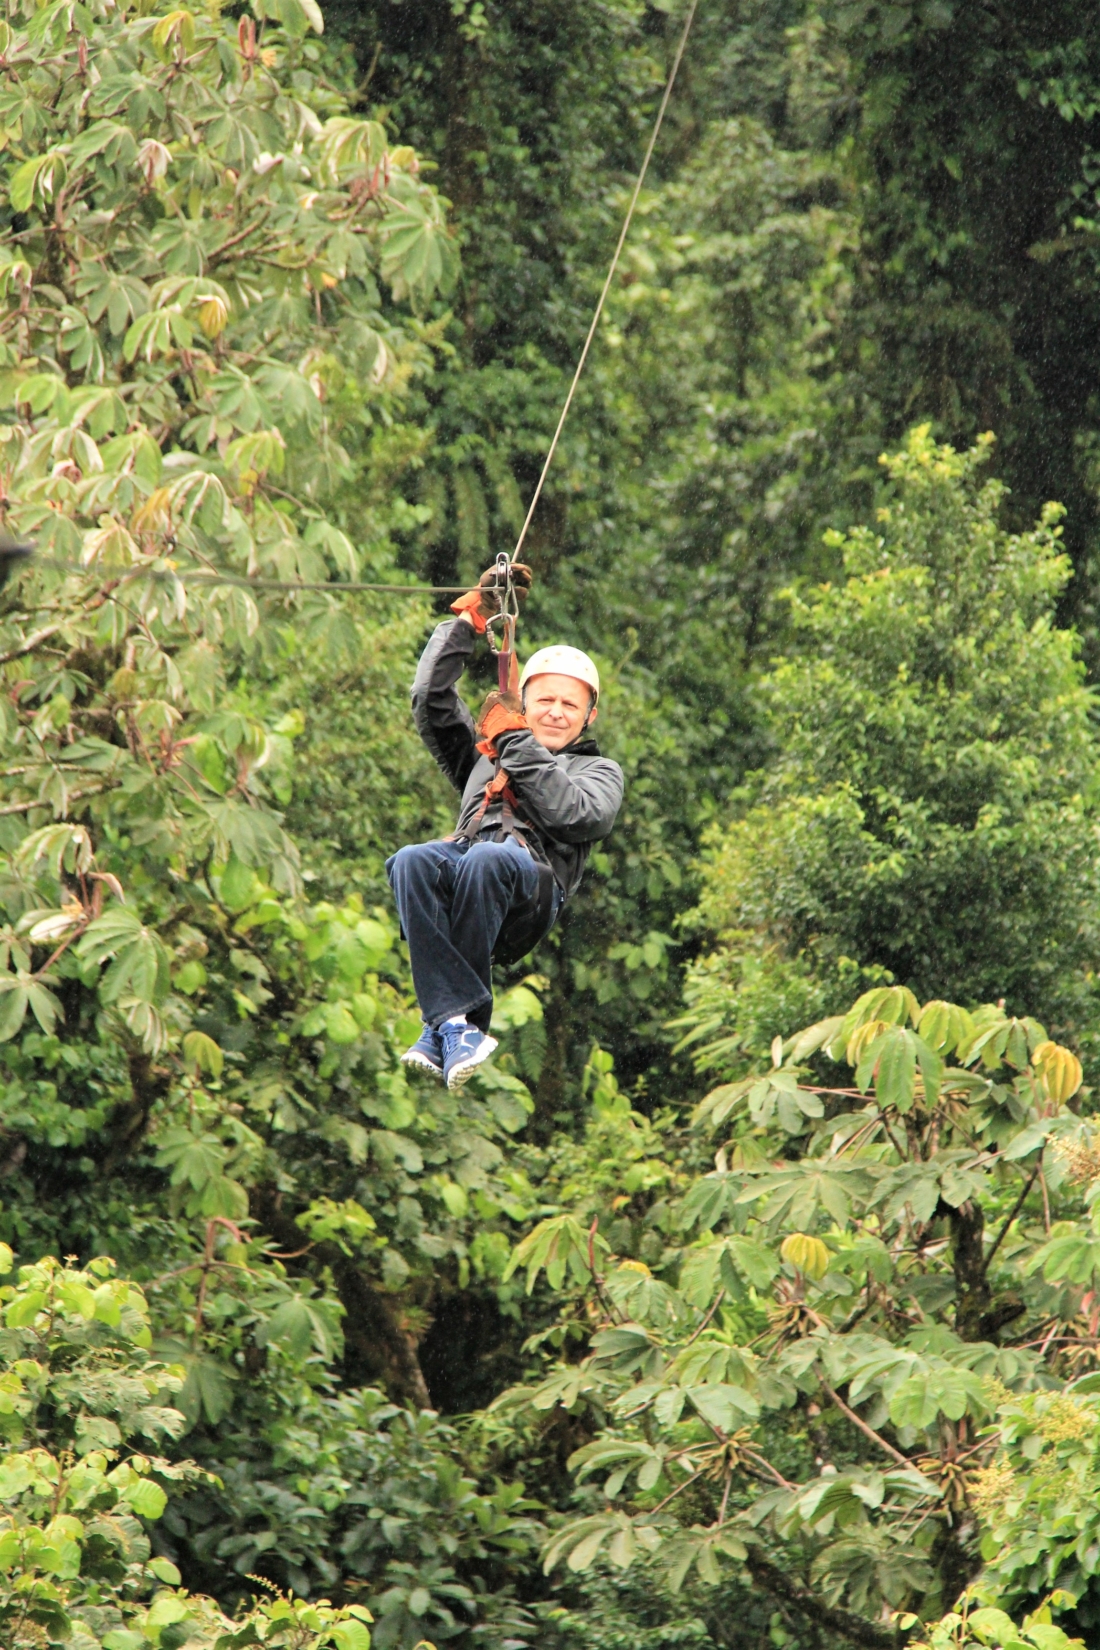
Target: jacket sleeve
[575,806]
[443,721]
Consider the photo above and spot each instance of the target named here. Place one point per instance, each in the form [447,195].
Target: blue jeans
[452,898]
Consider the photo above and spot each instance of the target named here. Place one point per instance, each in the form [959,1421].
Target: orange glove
[499,713]
[483,603]
[471,603]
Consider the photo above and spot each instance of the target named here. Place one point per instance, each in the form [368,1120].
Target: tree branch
[868,1431]
[235,240]
[674,1493]
[783,1585]
[39,802]
[1013,1212]
[39,636]
[972,1293]
[766,1467]
[381,1347]
[34,640]
[718,1299]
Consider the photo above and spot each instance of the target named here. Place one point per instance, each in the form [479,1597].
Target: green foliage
[226,350]
[159,975]
[847,1270]
[690,500]
[929,811]
[77,1565]
[204,376]
[366,1497]
[365,783]
[977,274]
[977,1623]
[320,1491]
[152,430]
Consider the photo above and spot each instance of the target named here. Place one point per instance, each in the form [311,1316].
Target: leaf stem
[674,1493]
[39,802]
[858,1421]
[694,1336]
[1013,1212]
[725,1497]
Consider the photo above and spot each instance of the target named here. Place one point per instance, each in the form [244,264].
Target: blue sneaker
[426,1053]
[464,1048]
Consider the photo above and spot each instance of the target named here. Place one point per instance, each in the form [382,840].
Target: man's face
[556,709]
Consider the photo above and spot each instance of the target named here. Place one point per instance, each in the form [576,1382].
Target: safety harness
[510,823]
[499,787]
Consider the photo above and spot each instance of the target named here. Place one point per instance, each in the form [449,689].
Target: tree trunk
[550,1090]
[972,1292]
[148,1083]
[378,1347]
[872,1635]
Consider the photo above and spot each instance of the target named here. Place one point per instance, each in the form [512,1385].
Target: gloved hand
[483,603]
[499,713]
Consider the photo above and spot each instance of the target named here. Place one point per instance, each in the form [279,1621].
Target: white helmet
[562,661]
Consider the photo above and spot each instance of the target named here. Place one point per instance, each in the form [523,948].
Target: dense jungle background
[751,1295]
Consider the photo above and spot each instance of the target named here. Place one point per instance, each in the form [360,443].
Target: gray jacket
[567,800]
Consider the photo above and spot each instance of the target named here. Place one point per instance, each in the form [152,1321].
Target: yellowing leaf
[808,1254]
[861,1039]
[944,1026]
[1058,1070]
[39,177]
[203,1053]
[213,315]
[178,26]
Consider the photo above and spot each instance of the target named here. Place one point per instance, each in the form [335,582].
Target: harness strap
[498,786]
[509,823]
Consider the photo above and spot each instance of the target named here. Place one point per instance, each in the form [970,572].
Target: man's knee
[493,862]
[412,861]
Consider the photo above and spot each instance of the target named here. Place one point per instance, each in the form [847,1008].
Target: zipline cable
[333,586]
[688,21]
[166,575]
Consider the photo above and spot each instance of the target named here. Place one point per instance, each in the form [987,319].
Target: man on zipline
[536,794]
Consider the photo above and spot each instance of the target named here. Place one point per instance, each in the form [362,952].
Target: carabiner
[509,606]
[507,669]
